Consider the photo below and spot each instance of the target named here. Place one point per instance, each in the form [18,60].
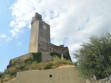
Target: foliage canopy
[94,58]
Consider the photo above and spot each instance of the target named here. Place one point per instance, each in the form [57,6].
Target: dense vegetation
[94,58]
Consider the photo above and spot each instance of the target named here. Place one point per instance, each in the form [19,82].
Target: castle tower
[40,42]
[40,35]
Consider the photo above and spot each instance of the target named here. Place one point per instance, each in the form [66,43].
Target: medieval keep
[40,42]
[40,37]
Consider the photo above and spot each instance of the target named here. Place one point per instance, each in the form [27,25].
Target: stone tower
[40,35]
[40,42]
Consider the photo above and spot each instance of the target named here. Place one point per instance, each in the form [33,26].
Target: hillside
[30,64]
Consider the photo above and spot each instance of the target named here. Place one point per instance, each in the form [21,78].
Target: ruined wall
[46,56]
[59,49]
[61,75]
[21,58]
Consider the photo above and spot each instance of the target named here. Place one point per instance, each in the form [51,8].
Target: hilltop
[33,64]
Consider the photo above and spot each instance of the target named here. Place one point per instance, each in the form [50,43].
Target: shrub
[13,72]
[37,57]
[21,66]
[28,61]
[58,61]
[32,66]
[48,66]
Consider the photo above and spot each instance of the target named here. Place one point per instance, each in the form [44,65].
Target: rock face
[60,75]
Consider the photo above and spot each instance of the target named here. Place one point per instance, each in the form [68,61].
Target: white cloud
[3,36]
[75,20]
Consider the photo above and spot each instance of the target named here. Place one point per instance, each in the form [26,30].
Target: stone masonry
[40,37]
[40,41]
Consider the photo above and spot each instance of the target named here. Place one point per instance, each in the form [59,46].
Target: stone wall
[46,57]
[21,58]
[60,75]
[59,49]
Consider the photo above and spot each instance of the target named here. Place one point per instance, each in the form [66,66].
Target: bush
[13,72]
[57,61]
[21,66]
[48,66]
[37,57]
[28,61]
[32,66]
[94,58]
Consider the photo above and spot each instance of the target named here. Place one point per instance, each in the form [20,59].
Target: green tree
[94,58]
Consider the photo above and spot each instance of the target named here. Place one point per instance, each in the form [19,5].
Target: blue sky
[10,47]
[72,23]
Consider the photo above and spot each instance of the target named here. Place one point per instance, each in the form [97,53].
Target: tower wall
[44,37]
[34,37]
[40,35]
